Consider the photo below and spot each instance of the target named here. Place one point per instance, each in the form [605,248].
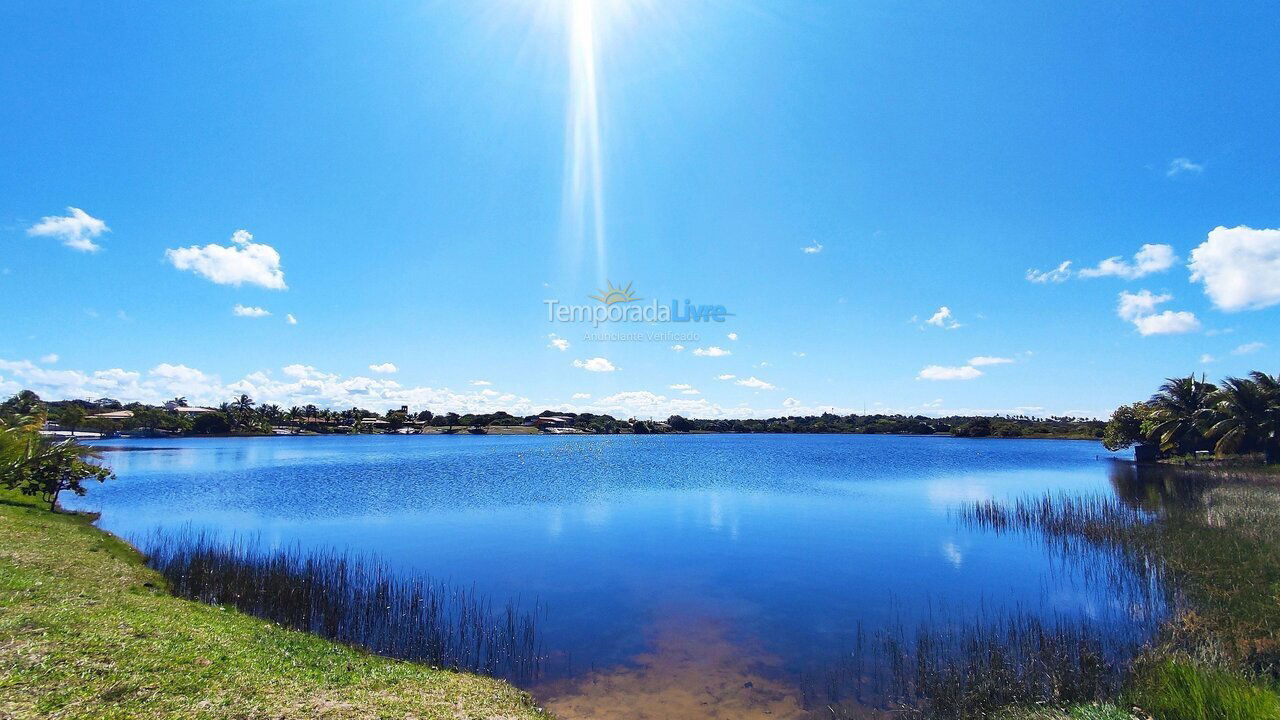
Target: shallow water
[680,576]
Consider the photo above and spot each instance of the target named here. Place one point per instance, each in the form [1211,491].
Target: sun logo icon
[615,294]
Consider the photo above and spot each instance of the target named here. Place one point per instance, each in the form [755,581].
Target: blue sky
[406,172]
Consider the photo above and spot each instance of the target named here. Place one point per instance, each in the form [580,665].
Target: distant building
[113,415]
[550,421]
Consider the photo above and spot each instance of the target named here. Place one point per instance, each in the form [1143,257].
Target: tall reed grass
[352,599]
[975,668]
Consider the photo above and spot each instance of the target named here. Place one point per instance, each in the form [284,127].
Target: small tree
[35,465]
[72,417]
[1125,428]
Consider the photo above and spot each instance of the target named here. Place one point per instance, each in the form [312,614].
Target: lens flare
[584,177]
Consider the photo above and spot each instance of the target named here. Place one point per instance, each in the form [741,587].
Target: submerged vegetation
[951,668]
[354,600]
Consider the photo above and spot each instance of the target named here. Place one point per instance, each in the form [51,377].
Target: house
[193,410]
[113,415]
[550,421]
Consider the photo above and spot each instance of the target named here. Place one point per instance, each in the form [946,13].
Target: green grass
[1103,711]
[87,631]
[1176,690]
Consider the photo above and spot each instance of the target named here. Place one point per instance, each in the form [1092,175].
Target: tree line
[1239,416]
[242,415]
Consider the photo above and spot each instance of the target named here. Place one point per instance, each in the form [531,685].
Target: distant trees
[72,417]
[211,424]
[679,423]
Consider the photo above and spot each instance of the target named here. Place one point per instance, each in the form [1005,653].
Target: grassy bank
[1211,539]
[87,631]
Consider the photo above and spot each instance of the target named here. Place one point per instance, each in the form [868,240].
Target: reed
[974,669]
[352,599]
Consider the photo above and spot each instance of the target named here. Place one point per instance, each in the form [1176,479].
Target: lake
[677,575]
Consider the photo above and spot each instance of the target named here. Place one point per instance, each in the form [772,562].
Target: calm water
[670,568]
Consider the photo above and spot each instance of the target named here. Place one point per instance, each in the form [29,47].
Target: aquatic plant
[353,599]
[976,667]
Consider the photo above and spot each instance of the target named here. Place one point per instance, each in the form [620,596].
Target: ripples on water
[685,572]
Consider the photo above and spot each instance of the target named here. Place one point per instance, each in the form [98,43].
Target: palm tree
[1178,411]
[1245,416]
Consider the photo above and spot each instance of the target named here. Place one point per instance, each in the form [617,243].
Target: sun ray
[585,181]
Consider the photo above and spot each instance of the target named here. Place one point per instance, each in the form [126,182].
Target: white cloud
[1207,358]
[943,319]
[384,368]
[76,230]
[557,342]
[1056,275]
[581,396]
[595,364]
[678,348]
[813,249]
[1240,267]
[790,403]
[289,318]
[732,336]
[941,372]
[799,354]
[680,386]
[244,261]
[1178,166]
[49,359]
[1135,305]
[989,360]
[754,382]
[180,374]
[1140,309]
[691,391]
[302,385]
[246,311]
[481,383]
[303,372]
[1168,322]
[1149,259]
[726,376]
[712,351]
[1248,348]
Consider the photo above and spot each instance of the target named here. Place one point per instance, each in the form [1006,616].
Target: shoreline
[112,640]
